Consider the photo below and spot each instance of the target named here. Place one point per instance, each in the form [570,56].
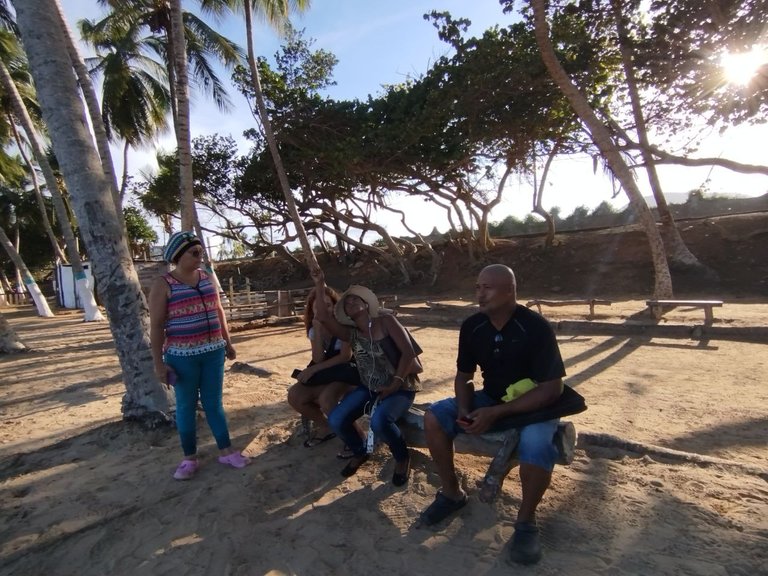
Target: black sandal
[441,508]
[401,479]
[317,440]
[354,463]
[346,453]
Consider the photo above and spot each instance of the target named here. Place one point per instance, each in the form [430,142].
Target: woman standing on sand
[189,339]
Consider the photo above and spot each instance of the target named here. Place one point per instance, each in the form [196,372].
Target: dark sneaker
[440,509]
[525,547]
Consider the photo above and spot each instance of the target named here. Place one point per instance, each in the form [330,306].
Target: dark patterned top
[375,369]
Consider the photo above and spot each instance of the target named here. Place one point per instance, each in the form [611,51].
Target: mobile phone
[465,421]
[170,376]
[295,373]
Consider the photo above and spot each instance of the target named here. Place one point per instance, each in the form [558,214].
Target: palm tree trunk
[183,142]
[145,399]
[178,59]
[94,112]
[124,180]
[171,70]
[677,250]
[92,313]
[57,251]
[37,296]
[309,255]
[19,277]
[602,139]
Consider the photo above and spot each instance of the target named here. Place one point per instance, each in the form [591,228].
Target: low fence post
[282,304]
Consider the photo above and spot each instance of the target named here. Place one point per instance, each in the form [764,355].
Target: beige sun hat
[365,294]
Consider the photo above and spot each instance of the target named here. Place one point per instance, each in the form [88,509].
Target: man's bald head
[501,275]
[496,289]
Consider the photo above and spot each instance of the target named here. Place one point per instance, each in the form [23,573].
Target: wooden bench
[501,445]
[591,302]
[485,444]
[466,308]
[388,301]
[656,307]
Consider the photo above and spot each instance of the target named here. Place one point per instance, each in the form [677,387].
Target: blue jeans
[536,445]
[383,421]
[199,376]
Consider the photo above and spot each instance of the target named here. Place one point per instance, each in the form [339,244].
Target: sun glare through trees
[741,67]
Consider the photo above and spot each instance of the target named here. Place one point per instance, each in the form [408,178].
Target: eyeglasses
[497,340]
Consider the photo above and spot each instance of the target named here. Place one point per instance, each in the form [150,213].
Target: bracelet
[396,377]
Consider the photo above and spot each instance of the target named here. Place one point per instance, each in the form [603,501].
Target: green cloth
[518,389]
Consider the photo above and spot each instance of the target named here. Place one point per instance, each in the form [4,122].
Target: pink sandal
[236,460]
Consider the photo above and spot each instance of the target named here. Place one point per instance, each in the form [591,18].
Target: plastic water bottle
[502,463]
[370,443]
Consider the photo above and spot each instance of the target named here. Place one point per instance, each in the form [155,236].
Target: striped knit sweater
[192,325]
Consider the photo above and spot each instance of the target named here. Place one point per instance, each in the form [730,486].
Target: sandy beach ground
[84,493]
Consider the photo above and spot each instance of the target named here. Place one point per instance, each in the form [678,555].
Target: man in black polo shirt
[512,345]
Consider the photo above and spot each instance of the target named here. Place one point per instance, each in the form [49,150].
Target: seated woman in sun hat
[189,339]
[387,388]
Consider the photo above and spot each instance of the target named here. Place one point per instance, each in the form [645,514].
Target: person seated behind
[330,374]
[510,343]
[387,387]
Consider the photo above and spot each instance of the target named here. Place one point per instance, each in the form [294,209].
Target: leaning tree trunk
[145,398]
[125,176]
[602,139]
[309,255]
[183,143]
[37,296]
[178,61]
[92,312]
[538,194]
[677,250]
[57,251]
[94,113]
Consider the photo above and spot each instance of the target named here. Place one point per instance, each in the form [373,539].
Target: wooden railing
[14,299]
[248,304]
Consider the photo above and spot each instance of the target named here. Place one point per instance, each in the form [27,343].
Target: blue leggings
[383,422]
[199,376]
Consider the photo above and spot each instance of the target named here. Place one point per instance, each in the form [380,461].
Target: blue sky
[376,43]
[380,43]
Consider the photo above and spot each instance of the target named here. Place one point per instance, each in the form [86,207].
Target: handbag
[393,354]
[345,372]
[569,403]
